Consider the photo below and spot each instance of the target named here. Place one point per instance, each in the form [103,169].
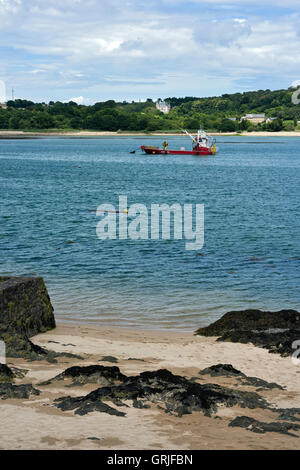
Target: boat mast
[187,133]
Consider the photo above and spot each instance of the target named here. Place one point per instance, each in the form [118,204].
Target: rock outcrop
[6,374]
[25,311]
[227,370]
[100,375]
[8,390]
[175,394]
[25,305]
[275,331]
[254,425]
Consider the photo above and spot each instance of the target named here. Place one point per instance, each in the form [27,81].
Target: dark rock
[276,342]
[254,425]
[275,331]
[101,375]
[25,311]
[18,346]
[174,393]
[134,359]
[226,370]
[140,404]
[119,403]
[252,320]
[260,384]
[8,390]
[101,407]
[111,359]
[6,374]
[288,414]
[25,305]
[221,370]
[19,373]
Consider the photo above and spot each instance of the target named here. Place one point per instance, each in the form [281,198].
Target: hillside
[213,113]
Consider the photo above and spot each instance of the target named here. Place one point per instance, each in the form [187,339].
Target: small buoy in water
[125,211]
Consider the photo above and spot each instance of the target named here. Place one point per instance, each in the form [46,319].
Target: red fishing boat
[203,145]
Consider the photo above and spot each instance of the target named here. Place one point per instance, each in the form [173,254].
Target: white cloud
[78,100]
[240,20]
[8,12]
[10,5]
[91,47]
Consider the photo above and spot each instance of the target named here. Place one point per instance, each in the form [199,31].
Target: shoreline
[134,352]
[88,134]
[147,328]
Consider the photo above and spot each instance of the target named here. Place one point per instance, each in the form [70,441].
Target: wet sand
[85,134]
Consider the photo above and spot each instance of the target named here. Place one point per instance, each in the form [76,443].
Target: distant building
[163,107]
[3,105]
[255,118]
[270,119]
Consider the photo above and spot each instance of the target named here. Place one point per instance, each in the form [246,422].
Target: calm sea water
[251,254]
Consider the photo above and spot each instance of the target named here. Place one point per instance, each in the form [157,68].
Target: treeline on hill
[214,114]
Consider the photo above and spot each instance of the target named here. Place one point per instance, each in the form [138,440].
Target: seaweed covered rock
[254,425]
[279,342]
[100,407]
[6,374]
[252,320]
[18,345]
[101,375]
[288,414]
[173,393]
[25,311]
[25,306]
[111,359]
[227,370]
[221,370]
[275,331]
[8,390]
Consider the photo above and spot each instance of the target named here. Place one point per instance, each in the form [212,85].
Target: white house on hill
[163,107]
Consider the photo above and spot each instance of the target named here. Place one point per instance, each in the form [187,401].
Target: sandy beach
[85,134]
[37,424]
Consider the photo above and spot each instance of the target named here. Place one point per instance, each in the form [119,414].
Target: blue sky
[89,50]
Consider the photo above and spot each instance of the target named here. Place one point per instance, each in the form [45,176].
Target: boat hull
[199,153]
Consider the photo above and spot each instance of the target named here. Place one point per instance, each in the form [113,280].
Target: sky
[96,50]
